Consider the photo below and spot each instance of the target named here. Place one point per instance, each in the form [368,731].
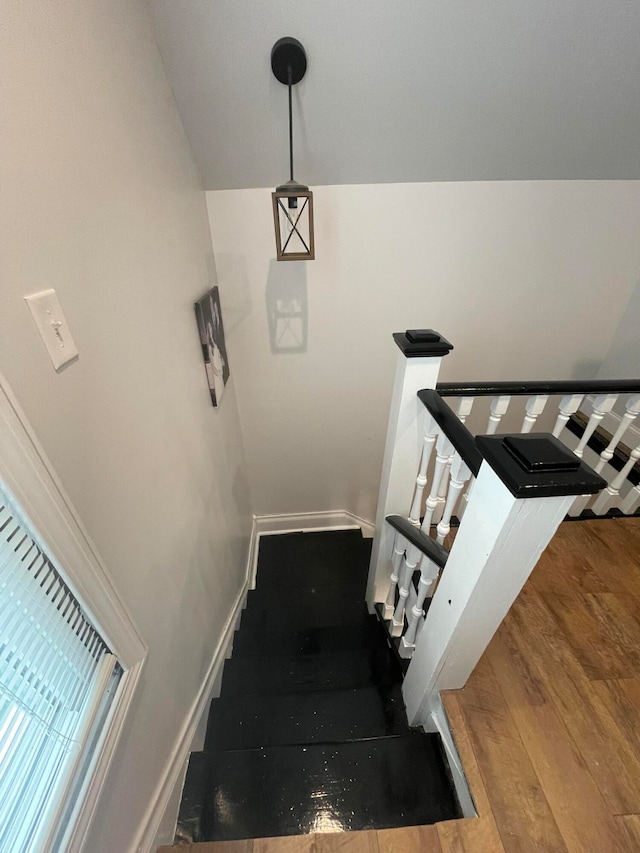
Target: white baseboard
[170,778]
[303,522]
[337,519]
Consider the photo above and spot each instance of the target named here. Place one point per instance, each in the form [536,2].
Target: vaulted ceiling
[410,90]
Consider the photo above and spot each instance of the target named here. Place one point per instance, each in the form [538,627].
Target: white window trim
[32,482]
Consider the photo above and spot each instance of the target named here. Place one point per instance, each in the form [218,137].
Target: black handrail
[425,544]
[562,386]
[453,428]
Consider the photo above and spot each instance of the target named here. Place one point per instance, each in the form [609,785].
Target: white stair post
[419,359]
[513,512]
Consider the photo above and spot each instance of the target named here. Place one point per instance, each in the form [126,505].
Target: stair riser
[267,677]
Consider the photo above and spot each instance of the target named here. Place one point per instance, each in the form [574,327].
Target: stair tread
[300,718]
[366,634]
[295,790]
[306,606]
[295,673]
[322,558]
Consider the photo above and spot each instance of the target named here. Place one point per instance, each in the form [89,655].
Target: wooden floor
[548,726]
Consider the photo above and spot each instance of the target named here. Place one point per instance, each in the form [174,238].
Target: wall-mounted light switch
[52,325]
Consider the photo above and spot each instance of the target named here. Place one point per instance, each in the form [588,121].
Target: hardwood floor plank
[603,745]
[621,700]
[601,633]
[211,847]
[519,805]
[573,796]
[566,567]
[345,842]
[470,834]
[409,839]
[613,548]
[630,826]
[285,844]
[613,611]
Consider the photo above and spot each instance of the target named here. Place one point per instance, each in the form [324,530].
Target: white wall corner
[308,522]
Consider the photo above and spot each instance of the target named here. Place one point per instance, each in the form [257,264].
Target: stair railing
[511,492]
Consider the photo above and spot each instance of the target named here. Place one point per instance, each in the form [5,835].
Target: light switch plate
[52,325]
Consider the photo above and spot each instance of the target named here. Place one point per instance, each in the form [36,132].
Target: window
[70,655]
[55,674]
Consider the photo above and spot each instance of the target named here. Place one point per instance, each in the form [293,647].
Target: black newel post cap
[416,343]
[538,466]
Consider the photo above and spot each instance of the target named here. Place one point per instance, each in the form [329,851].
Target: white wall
[100,199]
[527,279]
[623,358]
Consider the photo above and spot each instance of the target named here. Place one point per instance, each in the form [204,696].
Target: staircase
[310,732]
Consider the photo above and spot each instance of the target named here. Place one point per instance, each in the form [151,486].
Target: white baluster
[497,410]
[569,405]
[442,493]
[632,409]
[601,406]
[396,561]
[534,408]
[443,453]
[430,432]
[463,409]
[632,501]
[411,558]
[608,497]
[460,473]
[428,576]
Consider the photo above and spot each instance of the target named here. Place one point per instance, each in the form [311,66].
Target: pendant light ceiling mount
[292,200]
[288,54]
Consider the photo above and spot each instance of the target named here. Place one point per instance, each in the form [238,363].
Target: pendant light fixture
[292,201]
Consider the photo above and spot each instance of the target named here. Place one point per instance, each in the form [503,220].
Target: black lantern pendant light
[292,201]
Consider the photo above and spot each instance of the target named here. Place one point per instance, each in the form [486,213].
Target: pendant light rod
[289,64]
[289,75]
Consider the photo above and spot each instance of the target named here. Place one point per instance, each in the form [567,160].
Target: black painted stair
[310,732]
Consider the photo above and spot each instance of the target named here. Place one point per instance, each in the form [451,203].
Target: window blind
[55,671]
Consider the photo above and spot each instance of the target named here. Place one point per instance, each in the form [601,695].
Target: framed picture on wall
[214,350]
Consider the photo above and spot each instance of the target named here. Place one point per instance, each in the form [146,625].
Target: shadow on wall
[235,294]
[287,307]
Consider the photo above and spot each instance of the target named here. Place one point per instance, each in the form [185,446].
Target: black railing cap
[416,343]
[425,544]
[538,466]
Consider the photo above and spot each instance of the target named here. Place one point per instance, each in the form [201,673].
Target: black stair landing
[310,732]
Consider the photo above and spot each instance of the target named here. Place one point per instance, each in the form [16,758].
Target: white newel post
[512,514]
[418,366]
